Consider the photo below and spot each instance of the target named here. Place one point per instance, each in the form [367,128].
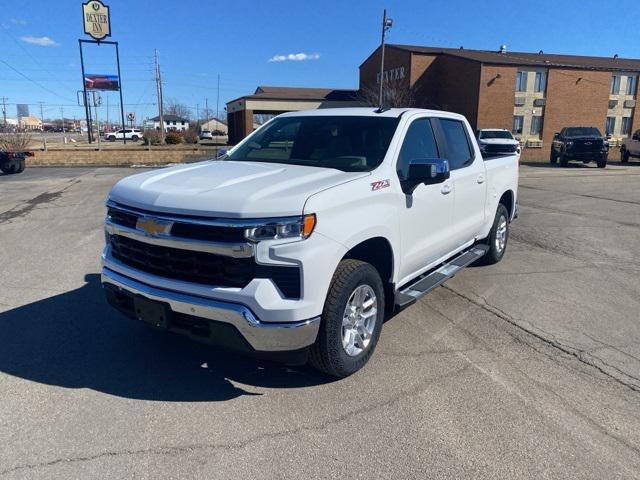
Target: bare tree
[395,93]
[15,142]
[173,107]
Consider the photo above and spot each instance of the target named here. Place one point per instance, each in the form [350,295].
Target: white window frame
[540,84]
[611,120]
[632,80]
[615,84]
[522,77]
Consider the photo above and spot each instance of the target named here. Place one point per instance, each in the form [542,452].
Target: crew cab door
[468,176]
[426,213]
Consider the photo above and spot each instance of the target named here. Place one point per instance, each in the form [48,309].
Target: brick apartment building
[532,94]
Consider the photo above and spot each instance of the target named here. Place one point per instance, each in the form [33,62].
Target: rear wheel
[351,320]
[134,138]
[21,165]
[498,237]
[112,138]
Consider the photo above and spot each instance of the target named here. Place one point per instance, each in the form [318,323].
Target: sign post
[97,24]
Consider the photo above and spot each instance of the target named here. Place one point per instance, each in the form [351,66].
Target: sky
[276,42]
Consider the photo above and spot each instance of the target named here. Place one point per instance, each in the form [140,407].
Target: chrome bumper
[262,336]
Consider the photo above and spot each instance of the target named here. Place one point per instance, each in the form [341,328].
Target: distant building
[171,122]
[214,124]
[30,123]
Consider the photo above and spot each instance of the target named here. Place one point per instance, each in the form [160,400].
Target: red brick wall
[575,97]
[496,98]
[393,58]
[459,84]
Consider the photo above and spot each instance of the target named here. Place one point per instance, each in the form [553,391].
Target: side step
[427,282]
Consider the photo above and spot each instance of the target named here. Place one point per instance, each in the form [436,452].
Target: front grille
[580,146]
[201,267]
[194,231]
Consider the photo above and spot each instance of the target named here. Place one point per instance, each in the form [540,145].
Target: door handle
[480,178]
[446,189]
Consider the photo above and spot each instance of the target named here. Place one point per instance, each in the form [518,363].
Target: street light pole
[386,25]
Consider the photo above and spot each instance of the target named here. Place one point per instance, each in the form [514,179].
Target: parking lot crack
[611,371]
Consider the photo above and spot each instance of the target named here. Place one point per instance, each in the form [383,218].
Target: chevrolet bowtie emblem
[153,227]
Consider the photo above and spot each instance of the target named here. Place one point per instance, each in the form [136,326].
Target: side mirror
[221,153]
[425,171]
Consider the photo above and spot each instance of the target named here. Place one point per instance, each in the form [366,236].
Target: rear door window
[458,148]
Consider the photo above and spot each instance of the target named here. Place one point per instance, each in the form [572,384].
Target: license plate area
[154,313]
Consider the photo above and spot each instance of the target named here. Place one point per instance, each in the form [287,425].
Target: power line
[33,81]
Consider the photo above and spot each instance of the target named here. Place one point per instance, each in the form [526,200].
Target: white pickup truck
[297,242]
[630,147]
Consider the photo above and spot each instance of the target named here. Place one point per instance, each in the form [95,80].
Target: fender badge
[379,184]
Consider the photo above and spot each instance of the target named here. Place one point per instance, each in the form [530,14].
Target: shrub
[15,142]
[191,135]
[152,137]
[173,138]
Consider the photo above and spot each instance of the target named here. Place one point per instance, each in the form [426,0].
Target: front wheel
[564,161]
[553,158]
[351,320]
[498,237]
[624,155]
[601,162]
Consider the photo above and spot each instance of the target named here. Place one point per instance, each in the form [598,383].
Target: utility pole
[197,116]
[95,105]
[4,110]
[106,125]
[386,25]
[217,106]
[206,110]
[159,91]
[41,114]
[62,117]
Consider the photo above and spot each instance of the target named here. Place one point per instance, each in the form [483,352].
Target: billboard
[101,82]
[22,110]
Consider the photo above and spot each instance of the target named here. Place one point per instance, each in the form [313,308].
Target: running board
[425,283]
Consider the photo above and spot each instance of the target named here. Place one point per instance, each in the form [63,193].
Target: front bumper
[220,323]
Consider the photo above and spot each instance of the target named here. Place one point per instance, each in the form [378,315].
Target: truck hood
[498,141]
[228,189]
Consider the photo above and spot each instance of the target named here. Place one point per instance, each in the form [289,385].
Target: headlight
[569,143]
[297,227]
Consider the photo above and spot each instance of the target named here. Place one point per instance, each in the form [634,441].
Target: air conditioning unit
[613,103]
[629,103]
[534,143]
[520,101]
[539,102]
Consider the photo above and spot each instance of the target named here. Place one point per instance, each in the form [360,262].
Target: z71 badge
[379,184]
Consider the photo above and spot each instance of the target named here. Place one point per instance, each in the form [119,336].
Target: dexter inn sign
[391,75]
[96,19]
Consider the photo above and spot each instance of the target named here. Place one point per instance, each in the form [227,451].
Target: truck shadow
[76,340]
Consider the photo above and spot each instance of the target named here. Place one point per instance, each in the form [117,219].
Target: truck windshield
[495,134]
[582,132]
[348,143]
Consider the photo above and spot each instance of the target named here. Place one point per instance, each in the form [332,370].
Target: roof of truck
[366,112]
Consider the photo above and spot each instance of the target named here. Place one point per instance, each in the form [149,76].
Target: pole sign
[97,23]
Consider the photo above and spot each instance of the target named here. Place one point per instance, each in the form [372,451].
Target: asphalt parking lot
[526,369]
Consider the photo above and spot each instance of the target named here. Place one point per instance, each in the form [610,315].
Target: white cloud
[295,57]
[41,41]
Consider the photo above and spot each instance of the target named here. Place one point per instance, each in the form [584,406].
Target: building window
[625,128]
[631,85]
[615,84]
[610,125]
[518,121]
[521,81]
[536,125]
[541,82]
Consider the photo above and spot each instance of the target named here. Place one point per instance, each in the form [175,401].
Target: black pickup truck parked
[13,162]
[579,143]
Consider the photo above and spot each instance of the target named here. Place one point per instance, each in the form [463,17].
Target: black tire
[495,254]
[6,168]
[564,161]
[553,158]
[21,165]
[602,162]
[328,354]
[134,138]
[112,138]
[624,155]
